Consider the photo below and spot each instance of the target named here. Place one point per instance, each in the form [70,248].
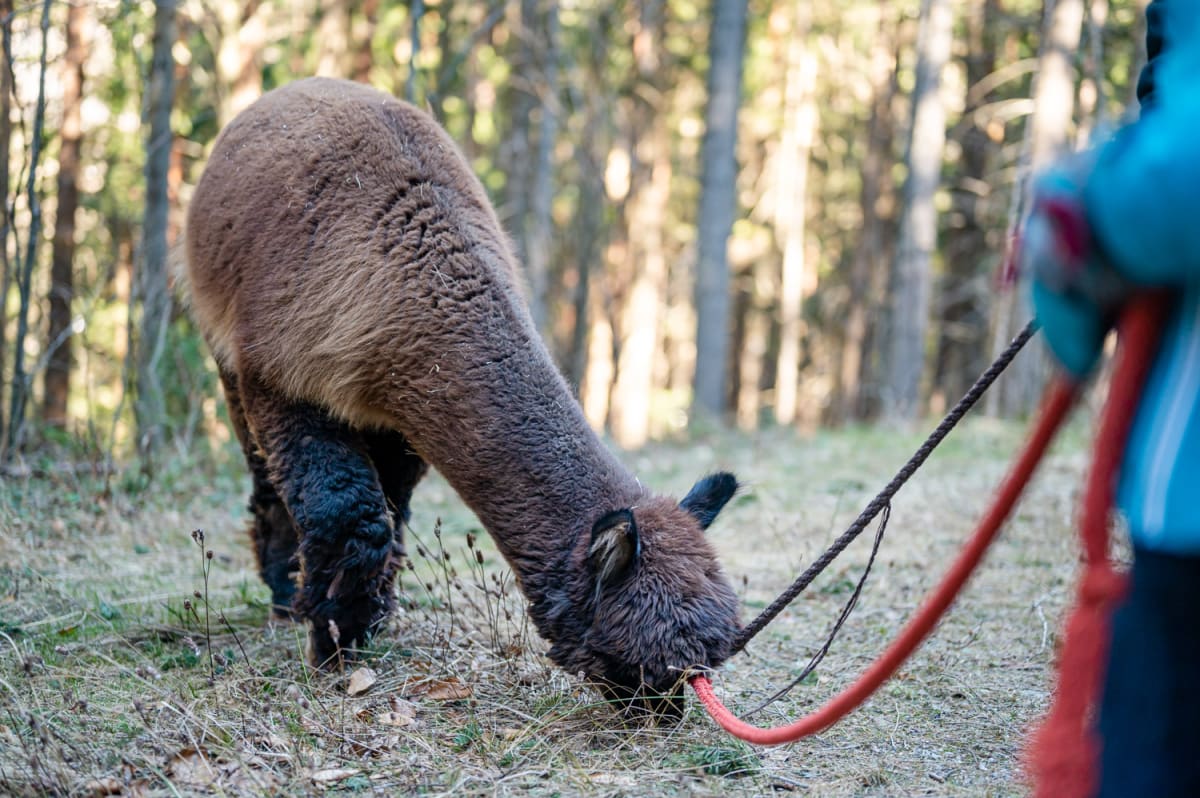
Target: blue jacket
[1143,204]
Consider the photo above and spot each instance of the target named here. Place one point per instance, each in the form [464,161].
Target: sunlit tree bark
[21,380]
[971,256]
[718,201]
[239,56]
[798,278]
[869,264]
[6,87]
[912,270]
[362,34]
[57,378]
[538,226]
[1093,107]
[644,271]
[595,136]
[152,293]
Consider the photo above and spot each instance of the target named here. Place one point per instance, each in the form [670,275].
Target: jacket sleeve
[1143,196]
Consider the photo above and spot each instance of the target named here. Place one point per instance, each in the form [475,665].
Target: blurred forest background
[730,212]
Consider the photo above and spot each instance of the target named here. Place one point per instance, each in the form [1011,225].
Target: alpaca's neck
[500,424]
[538,480]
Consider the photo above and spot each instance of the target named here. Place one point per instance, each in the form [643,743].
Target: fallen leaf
[270,741]
[191,768]
[361,681]
[100,787]
[333,775]
[442,690]
[401,707]
[394,719]
[375,747]
[250,776]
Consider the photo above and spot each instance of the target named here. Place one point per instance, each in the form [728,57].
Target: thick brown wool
[365,311]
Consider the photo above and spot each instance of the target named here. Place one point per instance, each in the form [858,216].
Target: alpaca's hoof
[322,651]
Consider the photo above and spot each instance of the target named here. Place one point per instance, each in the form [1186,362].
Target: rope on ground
[837,626]
[885,496]
[1060,398]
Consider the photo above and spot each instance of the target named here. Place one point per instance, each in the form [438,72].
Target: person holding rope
[1104,226]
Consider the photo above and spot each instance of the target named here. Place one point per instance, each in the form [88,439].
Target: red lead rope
[1138,337]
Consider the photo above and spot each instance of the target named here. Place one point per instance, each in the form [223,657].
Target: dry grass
[117,678]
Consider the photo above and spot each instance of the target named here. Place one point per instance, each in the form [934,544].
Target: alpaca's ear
[615,546]
[709,495]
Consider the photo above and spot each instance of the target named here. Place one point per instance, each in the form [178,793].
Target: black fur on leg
[275,543]
[348,549]
[399,469]
[272,531]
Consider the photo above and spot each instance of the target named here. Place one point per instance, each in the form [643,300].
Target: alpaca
[365,312]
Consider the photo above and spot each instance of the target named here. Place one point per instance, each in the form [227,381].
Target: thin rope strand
[885,496]
[837,626]
[1060,398]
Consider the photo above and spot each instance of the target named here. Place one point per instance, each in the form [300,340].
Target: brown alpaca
[364,309]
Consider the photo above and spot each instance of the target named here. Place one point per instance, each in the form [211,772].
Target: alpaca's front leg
[399,469]
[348,547]
[272,531]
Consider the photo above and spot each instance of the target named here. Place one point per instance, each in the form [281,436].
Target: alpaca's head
[657,601]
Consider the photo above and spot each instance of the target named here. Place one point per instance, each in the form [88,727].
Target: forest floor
[110,685]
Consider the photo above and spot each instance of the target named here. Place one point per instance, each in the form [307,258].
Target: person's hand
[1076,291]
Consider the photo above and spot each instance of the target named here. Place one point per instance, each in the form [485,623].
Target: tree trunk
[20,380]
[539,226]
[1047,138]
[362,34]
[718,201]
[752,333]
[416,10]
[334,53]
[869,261]
[1092,105]
[6,87]
[791,184]
[56,384]
[967,281]
[239,55]
[529,148]
[641,315]
[589,218]
[644,270]
[516,151]
[152,293]
[912,269]
[595,392]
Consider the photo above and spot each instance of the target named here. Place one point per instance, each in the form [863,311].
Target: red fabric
[1073,240]
[1064,752]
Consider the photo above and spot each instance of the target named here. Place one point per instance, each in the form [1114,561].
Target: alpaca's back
[334,232]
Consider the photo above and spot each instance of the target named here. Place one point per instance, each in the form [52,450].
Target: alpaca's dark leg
[348,551]
[272,530]
[399,469]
